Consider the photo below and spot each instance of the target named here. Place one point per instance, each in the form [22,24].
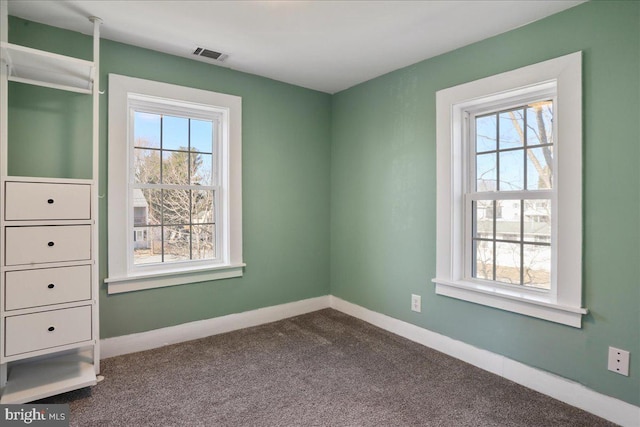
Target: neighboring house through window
[140,220]
[174,185]
[509,191]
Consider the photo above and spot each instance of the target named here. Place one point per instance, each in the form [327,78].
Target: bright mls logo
[35,415]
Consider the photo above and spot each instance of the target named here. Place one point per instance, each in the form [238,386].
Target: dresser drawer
[38,331]
[39,201]
[54,243]
[36,288]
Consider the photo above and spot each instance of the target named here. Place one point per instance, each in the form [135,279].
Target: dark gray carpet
[319,369]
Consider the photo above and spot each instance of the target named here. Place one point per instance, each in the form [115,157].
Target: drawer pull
[51,329]
[50,243]
[51,286]
[50,201]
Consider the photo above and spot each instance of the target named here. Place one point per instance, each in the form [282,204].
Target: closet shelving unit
[49,335]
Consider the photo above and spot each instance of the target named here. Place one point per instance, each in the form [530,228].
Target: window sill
[518,302]
[116,285]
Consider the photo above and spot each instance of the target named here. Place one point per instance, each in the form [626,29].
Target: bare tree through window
[513,158]
[173,175]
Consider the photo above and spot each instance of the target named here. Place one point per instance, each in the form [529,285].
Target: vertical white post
[4,113]
[4,87]
[95,191]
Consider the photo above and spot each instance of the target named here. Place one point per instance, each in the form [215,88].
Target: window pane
[511,170]
[146,130]
[175,169]
[539,123]
[203,242]
[201,169]
[483,251]
[539,168]
[537,220]
[146,166]
[202,207]
[148,248]
[483,219]
[177,207]
[150,201]
[175,133]
[177,242]
[486,138]
[511,129]
[201,136]
[537,266]
[508,262]
[486,172]
[508,225]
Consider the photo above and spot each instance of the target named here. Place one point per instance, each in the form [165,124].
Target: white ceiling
[324,45]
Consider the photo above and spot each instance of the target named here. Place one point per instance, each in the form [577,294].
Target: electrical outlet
[619,361]
[416,303]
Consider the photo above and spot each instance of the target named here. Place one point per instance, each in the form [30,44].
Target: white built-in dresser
[48,246]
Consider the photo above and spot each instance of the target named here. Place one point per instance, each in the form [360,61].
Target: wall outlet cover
[416,303]
[618,361]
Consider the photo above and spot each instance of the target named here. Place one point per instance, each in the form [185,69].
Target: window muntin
[173,185]
[512,159]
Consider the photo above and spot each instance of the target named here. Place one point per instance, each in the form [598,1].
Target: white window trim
[563,304]
[123,278]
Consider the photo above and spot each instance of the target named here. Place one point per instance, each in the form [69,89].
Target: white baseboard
[125,344]
[565,390]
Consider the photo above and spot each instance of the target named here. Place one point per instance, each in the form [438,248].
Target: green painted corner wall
[286,166]
[383,196]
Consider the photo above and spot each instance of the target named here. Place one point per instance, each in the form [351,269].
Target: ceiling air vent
[207,53]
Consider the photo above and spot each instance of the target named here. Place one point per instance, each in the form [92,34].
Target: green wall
[359,168]
[286,155]
[383,196]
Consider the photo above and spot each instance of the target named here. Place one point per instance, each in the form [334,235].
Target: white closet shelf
[33,381]
[37,67]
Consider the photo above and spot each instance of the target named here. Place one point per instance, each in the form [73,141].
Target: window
[174,185]
[139,235]
[510,164]
[509,191]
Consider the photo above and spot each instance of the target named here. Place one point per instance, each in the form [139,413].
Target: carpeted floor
[319,369]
